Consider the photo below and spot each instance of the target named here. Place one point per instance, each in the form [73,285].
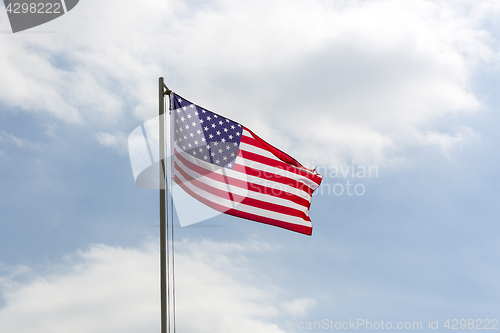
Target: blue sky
[407,87]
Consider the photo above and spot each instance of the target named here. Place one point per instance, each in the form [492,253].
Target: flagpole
[163,212]
[164,283]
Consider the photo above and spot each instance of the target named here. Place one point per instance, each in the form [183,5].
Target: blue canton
[205,135]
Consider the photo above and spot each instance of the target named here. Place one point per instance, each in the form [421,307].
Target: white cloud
[11,139]
[113,289]
[323,80]
[299,307]
[118,141]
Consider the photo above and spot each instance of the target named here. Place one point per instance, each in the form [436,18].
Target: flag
[227,167]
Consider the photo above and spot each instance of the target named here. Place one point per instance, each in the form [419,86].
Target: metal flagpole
[164,285]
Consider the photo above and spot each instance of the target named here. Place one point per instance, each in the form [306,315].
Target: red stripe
[278,164]
[271,176]
[307,230]
[241,199]
[245,184]
[252,172]
[278,153]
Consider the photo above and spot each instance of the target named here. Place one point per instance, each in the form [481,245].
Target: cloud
[11,139]
[118,141]
[113,289]
[324,80]
[299,307]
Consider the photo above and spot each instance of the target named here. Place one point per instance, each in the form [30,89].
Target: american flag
[227,167]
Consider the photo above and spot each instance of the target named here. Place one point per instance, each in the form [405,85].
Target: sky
[405,89]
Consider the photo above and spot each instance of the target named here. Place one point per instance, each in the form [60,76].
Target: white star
[235,143]
[217,161]
[198,131]
[189,116]
[201,121]
[232,126]
[213,125]
[189,145]
[180,100]
[203,111]
[218,133]
[212,154]
[180,129]
[208,118]
[194,153]
[187,126]
[210,136]
[194,124]
[205,157]
[191,134]
[203,139]
[230,165]
[185,137]
[208,147]
[220,151]
[192,105]
[196,113]
[227,120]
[184,147]
[224,158]
[230,137]
[196,142]
[223,140]
[232,154]
[184,108]
[238,133]
[216,143]
[206,128]
[182,118]
[225,129]
[239,125]
[215,116]
[228,147]
[220,122]
[201,149]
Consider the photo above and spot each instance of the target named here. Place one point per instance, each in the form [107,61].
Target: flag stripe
[227,204]
[239,199]
[273,177]
[304,229]
[278,153]
[267,168]
[247,174]
[257,155]
[274,195]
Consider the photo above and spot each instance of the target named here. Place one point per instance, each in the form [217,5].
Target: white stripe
[246,208]
[279,172]
[240,191]
[264,152]
[245,177]
[282,172]
[260,151]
